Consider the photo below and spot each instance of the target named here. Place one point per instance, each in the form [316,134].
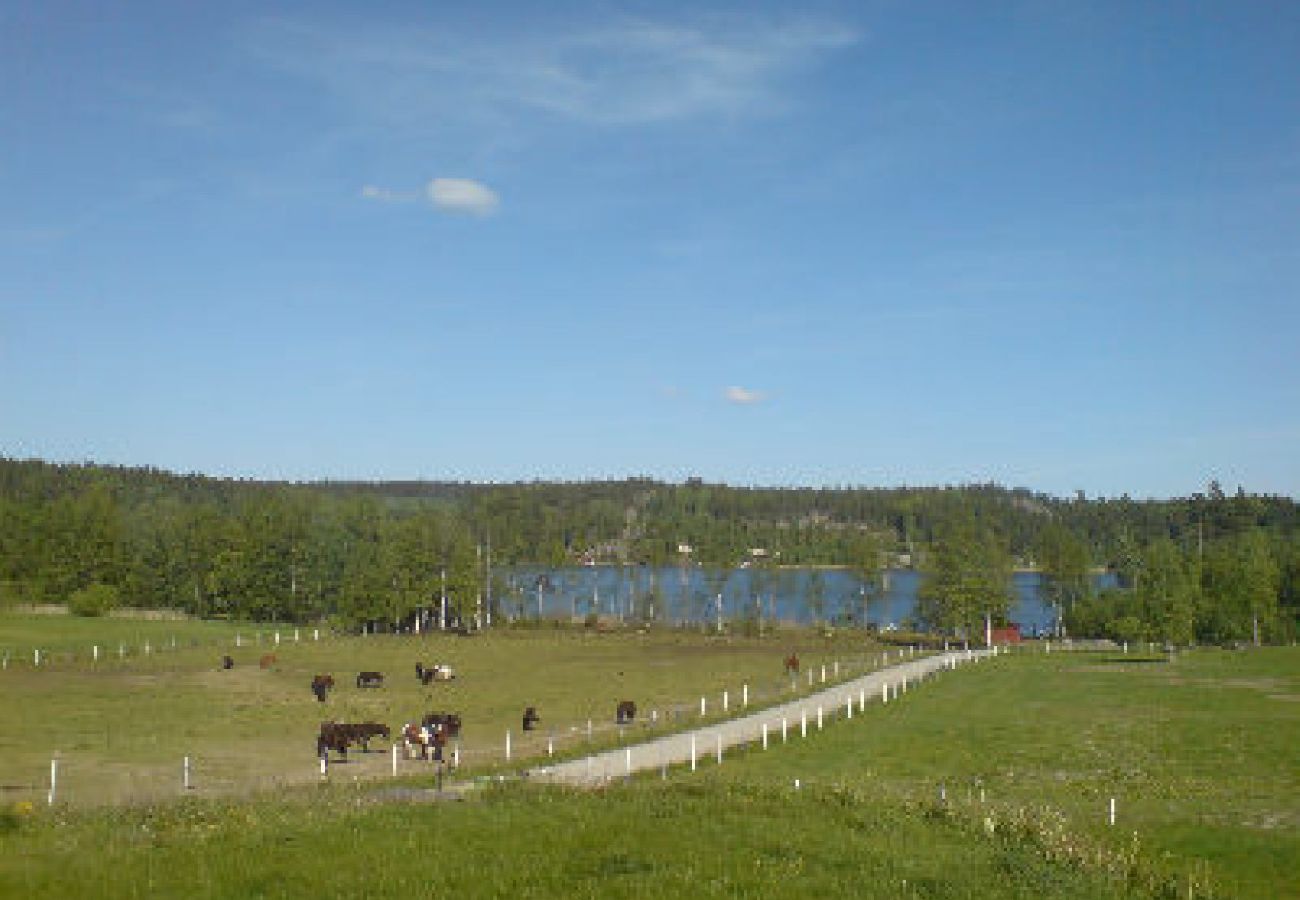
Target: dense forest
[1210,567]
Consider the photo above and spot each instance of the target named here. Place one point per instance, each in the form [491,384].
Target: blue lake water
[680,595]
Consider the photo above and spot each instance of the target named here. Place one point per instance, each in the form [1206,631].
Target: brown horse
[267,661]
[531,718]
[449,723]
[625,712]
[337,736]
[322,685]
[792,664]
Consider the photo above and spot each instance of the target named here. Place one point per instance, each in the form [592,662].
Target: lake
[685,594]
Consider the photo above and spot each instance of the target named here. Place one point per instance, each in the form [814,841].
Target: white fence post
[785,724]
[823,673]
[121,651]
[702,707]
[862,700]
[295,635]
[692,753]
[95,652]
[627,759]
[239,640]
[819,718]
[884,693]
[315,634]
[277,639]
[837,668]
[1112,811]
[185,774]
[147,648]
[394,760]
[744,695]
[803,723]
[36,656]
[507,745]
[54,779]
[764,735]
[324,764]
[726,701]
[848,705]
[550,746]
[719,748]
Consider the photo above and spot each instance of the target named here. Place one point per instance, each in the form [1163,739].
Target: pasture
[121,728]
[1201,753]
[992,781]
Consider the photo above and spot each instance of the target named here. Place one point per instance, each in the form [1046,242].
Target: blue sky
[1049,244]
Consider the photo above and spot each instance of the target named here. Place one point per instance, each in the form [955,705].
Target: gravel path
[790,719]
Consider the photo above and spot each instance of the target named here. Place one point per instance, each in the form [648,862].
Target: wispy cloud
[453,195]
[744,396]
[384,195]
[615,73]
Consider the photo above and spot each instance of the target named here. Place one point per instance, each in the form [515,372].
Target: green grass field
[121,728]
[1200,754]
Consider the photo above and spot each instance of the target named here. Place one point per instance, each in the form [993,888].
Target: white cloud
[617,72]
[462,195]
[454,195]
[744,396]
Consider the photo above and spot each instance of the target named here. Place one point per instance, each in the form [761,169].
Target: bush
[93,600]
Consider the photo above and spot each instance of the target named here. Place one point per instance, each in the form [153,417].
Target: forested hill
[297,549]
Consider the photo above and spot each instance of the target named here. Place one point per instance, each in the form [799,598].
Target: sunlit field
[121,728]
[991,781]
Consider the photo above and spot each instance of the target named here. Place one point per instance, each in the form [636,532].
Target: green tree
[1168,593]
[966,577]
[1063,565]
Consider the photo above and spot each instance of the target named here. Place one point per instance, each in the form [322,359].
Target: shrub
[93,600]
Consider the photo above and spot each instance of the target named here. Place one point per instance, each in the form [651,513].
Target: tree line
[1212,566]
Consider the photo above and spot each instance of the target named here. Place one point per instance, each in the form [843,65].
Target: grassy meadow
[121,728]
[1202,754]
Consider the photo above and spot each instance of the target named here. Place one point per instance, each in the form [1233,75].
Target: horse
[321,685]
[449,723]
[370,679]
[625,712]
[792,664]
[424,737]
[436,672]
[267,661]
[531,718]
[227,662]
[338,735]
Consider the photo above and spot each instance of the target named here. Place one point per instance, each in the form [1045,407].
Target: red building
[1008,634]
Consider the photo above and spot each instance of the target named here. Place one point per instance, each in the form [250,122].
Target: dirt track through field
[786,721]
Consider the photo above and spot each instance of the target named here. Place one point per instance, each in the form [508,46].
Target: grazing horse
[337,736]
[436,672]
[321,685]
[449,723]
[792,664]
[267,661]
[370,679]
[531,718]
[625,712]
[424,737]
[227,662]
